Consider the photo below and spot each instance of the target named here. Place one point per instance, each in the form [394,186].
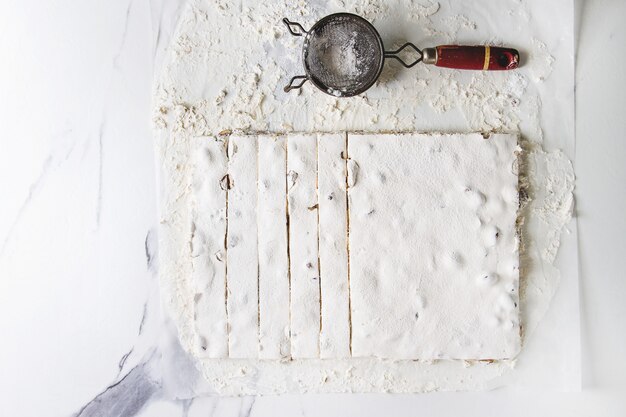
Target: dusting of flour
[212,84]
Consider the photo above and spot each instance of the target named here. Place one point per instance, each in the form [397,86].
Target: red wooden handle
[477,57]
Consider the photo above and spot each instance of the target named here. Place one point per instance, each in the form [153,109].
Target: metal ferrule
[429,55]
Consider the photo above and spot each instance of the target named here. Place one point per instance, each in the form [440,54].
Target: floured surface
[274,312]
[399,246]
[193,99]
[207,252]
[335,331]
[242,248]
[433,248]
[303,246]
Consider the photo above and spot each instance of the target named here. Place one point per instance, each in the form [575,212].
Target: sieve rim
[324,21]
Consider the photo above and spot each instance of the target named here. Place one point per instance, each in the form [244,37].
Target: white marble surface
[80,323]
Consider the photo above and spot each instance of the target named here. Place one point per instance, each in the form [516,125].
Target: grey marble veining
[164,372]
[125,397]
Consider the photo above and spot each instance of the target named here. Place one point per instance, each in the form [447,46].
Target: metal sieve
[343,55]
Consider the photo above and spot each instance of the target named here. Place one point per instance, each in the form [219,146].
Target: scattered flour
[212,84]
[419,11]
[341,58]
[541,61]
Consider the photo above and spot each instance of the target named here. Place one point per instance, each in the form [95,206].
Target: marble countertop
[81,326]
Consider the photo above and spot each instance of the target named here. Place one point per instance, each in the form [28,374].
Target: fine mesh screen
[343,55]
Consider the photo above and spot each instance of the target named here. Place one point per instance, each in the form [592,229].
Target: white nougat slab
[433,249]
[333,251]
[242,248]
[303,245]
[208,257]
[273,257]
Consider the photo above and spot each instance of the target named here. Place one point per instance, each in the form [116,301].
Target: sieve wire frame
[360,87]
